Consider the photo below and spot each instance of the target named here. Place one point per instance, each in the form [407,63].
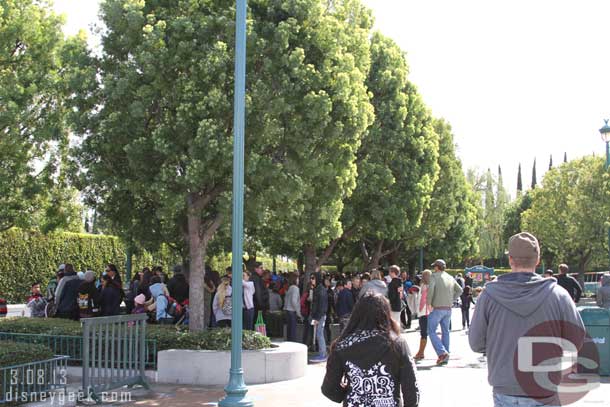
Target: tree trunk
[395,257]
[309,253]
[411,263]
[197,297]
[582,265]
[376,257]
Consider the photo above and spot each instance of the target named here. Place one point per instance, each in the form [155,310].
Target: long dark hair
[117,275]
[372,312]
[110,282]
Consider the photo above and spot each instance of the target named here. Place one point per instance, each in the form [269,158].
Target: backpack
[83,302]
[227,306]
[173,309]
[51,309]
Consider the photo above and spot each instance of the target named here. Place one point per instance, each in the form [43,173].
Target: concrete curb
[208,368]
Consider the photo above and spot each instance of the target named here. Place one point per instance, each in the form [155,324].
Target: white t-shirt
[248,294]
[216,307]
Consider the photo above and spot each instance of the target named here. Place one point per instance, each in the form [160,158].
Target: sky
[517,80]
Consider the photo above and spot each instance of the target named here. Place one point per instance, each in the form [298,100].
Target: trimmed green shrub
[167,337]
[14,353]
[26,257]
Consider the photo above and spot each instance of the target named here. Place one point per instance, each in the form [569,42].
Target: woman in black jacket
[110,298]
[370,364]
[466,300]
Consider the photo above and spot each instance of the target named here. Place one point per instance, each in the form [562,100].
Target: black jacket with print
[366,369]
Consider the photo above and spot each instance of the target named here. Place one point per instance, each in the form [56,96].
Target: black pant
[291,326]
[327,335]
[466,317]
[307,339]
[423,326]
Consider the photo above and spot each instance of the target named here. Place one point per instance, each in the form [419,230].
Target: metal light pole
[236,389]
[605,132]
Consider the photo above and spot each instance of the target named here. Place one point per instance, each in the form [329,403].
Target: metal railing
[28,381]
[114,353]
[72,346]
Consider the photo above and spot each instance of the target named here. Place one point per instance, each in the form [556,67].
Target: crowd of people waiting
[76,295]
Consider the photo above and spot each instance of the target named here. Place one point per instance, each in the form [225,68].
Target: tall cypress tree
[519,182]
[534,182]
[551,162]
[565,157]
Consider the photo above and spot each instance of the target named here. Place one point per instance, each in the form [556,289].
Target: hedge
[14,353]
[167,337]
[27,256]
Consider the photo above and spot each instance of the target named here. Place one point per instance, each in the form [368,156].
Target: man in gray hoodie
[375,286]
[515,308]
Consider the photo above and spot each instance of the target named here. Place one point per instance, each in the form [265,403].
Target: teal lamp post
[605,132]
[236,389]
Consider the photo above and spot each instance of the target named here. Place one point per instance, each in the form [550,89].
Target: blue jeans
[249,319]
[291,326]
[320,337]
[502,400]
[442,317]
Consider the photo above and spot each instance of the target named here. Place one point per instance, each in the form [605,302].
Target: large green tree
[36,70]
[397,164]
[451,223]
[319,131]
[397,161]
[570,211]
[157,121]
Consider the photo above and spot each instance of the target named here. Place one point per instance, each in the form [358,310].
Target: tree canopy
[570,211]
[36,70]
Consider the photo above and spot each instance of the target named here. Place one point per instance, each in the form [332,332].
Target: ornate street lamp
[236,389]
[605,132]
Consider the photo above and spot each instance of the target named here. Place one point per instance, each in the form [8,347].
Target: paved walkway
[462,383]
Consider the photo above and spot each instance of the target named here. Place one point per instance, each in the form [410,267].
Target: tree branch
[6,227]
[199,200]
[365,253]
[210,227]
[390,251]
[329,250]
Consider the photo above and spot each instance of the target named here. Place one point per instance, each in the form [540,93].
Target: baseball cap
[439,262]
[523,246]
[258,264]
[61,267]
